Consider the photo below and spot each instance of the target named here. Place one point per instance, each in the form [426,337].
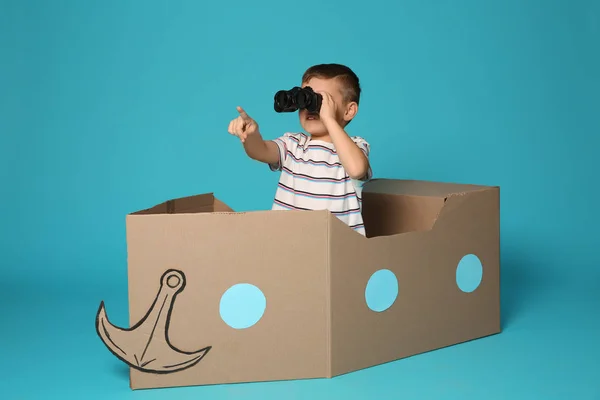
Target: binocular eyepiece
[298,98]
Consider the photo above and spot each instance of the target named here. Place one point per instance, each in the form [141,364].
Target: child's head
[342,84]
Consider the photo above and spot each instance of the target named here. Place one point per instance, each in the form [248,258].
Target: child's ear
[351,110]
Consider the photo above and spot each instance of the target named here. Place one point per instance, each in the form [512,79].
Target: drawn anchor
[146,346]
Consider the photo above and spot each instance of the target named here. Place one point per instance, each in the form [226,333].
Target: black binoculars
[298,98]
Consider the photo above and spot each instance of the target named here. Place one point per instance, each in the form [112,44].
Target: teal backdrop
[107,107]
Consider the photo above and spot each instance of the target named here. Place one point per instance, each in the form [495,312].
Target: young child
[323,168]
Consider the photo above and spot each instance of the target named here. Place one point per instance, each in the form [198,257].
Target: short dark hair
[348,78]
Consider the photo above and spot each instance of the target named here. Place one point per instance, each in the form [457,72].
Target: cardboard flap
[482,203]
[392,206]
[201,203]
[409,187]
[385,214]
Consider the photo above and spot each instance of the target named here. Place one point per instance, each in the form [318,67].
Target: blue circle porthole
[242,306]
[382,290]
[469,273]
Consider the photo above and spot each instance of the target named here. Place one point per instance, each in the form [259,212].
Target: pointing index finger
[243,114]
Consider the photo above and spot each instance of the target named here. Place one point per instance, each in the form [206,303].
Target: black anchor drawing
[139,347]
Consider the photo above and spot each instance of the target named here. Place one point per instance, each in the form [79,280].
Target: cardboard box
[315,274]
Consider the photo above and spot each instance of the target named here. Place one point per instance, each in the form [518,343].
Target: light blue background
[107,107]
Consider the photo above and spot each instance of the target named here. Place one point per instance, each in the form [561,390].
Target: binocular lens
[282,97]
[284,101]
[297,98]
[302,100]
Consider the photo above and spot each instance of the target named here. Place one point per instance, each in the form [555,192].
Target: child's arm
[351,156]
[256,147]
[353,159]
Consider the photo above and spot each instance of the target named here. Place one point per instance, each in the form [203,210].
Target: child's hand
[328,107]
[243,126]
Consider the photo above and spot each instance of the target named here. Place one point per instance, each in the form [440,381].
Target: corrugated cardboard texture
[430,311]
[419,188]
[386,214]
[193,204]
[282,253]
[313,270]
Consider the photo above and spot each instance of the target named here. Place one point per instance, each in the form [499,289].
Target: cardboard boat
[184,256]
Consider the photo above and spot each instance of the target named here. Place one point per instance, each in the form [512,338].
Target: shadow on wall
[121,371]
[517,286]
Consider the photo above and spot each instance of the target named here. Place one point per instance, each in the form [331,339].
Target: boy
[323,168]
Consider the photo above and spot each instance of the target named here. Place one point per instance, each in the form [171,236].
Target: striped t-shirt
[313,178]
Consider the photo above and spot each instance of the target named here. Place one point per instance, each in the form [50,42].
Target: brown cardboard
[313,270]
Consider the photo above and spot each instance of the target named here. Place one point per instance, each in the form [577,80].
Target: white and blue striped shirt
[313,178]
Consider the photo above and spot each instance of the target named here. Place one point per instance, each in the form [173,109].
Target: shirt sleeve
[284,144]
[366,149]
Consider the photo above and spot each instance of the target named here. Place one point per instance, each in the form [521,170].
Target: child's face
[311,123]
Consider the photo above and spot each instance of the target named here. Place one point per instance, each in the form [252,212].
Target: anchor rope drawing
[146,345]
